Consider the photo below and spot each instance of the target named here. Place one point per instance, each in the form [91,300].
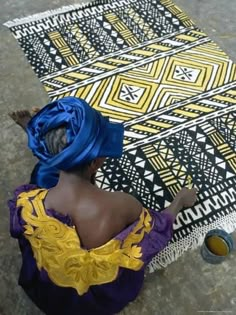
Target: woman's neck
[66,190]
[73,179]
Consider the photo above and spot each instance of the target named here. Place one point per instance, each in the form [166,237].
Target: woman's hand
[184,199]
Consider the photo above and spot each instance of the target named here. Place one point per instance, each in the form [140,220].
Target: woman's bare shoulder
[124,204]
[104,215]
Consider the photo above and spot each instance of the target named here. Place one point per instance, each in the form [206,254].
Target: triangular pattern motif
[75,44]
[193,154]
[227,127]
[42,61]
[159,19]
[53,52]
[124,175]
[110,37]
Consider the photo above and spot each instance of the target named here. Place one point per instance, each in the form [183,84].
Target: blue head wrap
[89,134]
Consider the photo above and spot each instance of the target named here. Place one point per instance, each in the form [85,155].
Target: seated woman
[84,250]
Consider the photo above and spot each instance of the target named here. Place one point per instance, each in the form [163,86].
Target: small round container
[217,246]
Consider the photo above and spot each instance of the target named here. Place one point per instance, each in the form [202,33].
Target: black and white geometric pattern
[144,62]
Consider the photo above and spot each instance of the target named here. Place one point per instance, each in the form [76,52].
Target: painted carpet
[145,63]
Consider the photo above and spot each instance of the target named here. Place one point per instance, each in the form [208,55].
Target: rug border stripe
[58,11]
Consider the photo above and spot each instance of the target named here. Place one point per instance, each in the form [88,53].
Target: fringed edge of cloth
[66,9]
[175,250]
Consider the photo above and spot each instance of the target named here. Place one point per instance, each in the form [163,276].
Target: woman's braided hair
[56,141]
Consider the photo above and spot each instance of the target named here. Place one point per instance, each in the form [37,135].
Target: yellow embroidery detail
[57,248]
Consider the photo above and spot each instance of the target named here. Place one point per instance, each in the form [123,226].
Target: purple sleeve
[16,222]
[160,235]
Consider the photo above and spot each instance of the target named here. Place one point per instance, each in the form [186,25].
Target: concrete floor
[188,286]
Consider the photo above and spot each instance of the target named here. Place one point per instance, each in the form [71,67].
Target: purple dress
[129,252]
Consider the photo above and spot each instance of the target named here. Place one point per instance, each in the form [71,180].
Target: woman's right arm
[184,199]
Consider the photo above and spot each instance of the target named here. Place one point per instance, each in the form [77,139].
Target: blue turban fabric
[89,134]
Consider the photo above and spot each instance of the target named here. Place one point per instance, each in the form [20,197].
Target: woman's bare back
[97,215]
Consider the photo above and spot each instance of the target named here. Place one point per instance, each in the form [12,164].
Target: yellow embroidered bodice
[57,249]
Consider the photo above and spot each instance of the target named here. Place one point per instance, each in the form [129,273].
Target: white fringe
[173,251]
[49,13]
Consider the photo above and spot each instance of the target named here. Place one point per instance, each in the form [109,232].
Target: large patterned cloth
[144,62]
